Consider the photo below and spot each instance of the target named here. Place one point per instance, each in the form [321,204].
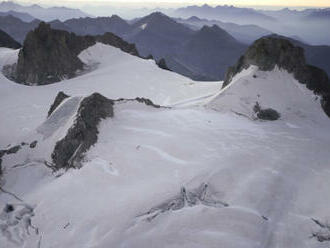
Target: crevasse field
[203,173]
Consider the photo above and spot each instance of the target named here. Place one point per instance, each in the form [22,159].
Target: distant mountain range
[45,14]
[158,35]
[193,47]
[201,55]
[7,41]
[287,14]
[94,26]
[225,13]
[16,28]
[249,15]
[306,24]
[319,15]
[243,33]
[23,16]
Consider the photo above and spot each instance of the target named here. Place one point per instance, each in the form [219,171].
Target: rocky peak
[213,37]
[49,55]
[194,19]
[216,33]
[271,51]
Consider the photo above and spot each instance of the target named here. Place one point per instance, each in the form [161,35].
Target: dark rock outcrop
[61,96]
[147,102]
[323,234]
[201,195]
[69,151]
[162,64]
[11,150]
[267,114]
[7,41]
[50,55]
[33,144]
[268,52]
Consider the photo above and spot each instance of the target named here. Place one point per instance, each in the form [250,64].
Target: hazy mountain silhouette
[46,14]
[7,41]
[25,17]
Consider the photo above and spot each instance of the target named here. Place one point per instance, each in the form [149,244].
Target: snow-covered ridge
[276,89]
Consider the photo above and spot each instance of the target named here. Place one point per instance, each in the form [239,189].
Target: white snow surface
[116,75]
[274,176]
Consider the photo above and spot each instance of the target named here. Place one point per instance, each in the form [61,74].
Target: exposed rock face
[268,114]
[323,234]
[50,55]
[61,96]
[69,151]
[33,144]
[147,102]
[268,52]
[162,64]
[7,41]
[11,150]
[201,195]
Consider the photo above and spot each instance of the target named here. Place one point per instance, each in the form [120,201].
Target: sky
[145,3]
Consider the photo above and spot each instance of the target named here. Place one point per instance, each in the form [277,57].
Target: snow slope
[115,74]
[183,177]
[275,89]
